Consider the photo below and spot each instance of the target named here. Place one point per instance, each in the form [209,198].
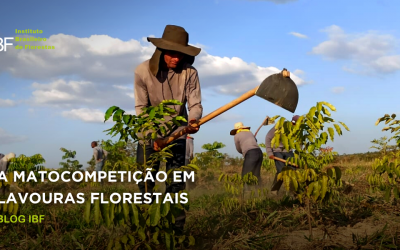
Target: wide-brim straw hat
[175,38]
[237,126]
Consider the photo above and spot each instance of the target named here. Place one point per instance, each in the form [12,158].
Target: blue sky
[343,52]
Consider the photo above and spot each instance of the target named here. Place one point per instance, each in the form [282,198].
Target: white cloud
[387,63]
[7,103]
[337,90]
[85,114]
[61,93]
[103,68]
[298,72]
[6,138]
[233,75]
[366,51]
[299,35]
[98,58]
[89,115]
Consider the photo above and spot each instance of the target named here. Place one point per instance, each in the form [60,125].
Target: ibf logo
[3,45]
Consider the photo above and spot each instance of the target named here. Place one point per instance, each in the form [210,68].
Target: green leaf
[310,189]
[311,113]
[118,115]
[155,214]
[319,106]
[181,118]
[326,111]
[126,118]
[155,237]
[165,208]
[105,213]
[191,241]
[320,119]
[276,140]
[338,173]
[291,143]
[131,240]
[281,121]
[141,234]
[152,113]
[124,239]
[167,240]
[135,217]
[87,210]
[344,125]
[331,133]
[285,142]
[329,105]
[163,130]
[338,130]
[125,211]
[109,112]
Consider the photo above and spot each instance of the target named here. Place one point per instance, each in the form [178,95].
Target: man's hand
[159,144]
[193,127]
[271,157]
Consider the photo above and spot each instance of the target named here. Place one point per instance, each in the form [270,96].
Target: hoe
[278,89]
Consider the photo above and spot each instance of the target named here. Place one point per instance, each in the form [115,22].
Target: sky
[342,52]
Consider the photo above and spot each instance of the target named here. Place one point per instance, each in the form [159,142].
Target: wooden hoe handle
[209,117]
[282,160]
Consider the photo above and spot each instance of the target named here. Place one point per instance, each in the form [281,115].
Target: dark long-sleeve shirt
[183,86]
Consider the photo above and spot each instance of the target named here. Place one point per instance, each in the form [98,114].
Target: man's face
[93,145]
[172,58]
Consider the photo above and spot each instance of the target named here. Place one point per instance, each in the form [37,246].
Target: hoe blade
[279,90]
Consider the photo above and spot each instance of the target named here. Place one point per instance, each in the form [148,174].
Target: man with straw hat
[167,75]
[246,145]
[279,152]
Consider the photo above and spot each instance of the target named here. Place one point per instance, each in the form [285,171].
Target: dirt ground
[342,237]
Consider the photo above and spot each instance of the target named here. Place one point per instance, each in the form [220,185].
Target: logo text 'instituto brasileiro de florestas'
[31,39]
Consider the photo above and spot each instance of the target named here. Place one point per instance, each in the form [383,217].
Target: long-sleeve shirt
[271,148]
[245,141]
[183,86]
[99,154]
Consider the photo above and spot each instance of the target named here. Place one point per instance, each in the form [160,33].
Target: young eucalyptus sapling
[71,164]
[27,165]
[386,169]
[151,223]
[311,180]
